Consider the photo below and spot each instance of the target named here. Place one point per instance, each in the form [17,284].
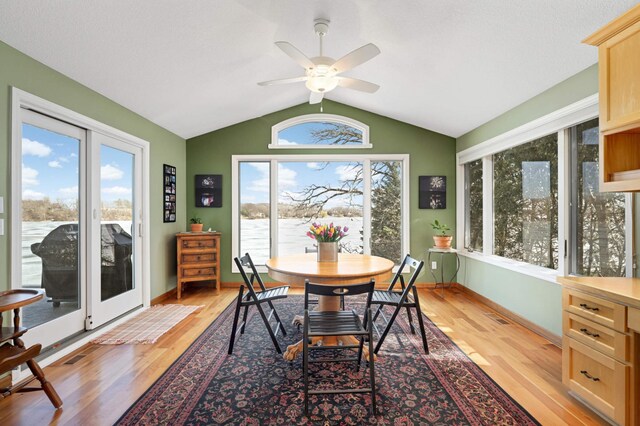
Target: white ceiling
[192,66]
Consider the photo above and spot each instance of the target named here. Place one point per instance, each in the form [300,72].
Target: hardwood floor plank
[98,388]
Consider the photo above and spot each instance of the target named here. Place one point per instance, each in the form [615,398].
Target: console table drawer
[198,243]
[610,314]
[610,342]
[199,258]
[597,378]
[198,272]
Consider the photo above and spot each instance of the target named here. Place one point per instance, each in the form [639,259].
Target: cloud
[28,194]
[110,172]
[286,177]
[348,172]
[116,190]
[55,164]
[29,176]
[286,142]
[315,166]
[72,190]
[34,148]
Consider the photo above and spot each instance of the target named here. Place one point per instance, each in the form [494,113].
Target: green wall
[23,72]
[430,154]
[537,300]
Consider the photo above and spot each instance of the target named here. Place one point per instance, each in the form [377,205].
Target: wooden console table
[601,344]
[14,354]
[198,258]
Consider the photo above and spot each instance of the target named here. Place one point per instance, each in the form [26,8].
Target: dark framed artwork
[169,193]
[433,192]
[208,190]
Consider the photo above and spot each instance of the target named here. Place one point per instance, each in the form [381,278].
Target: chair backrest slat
[338,290]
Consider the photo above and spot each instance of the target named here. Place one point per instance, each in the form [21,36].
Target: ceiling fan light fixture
[322,83]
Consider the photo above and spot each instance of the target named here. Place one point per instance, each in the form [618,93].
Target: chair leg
[47,387]
[244,319]
[305,371]
[375,317]
[266,323]
[372,375]
[421,322]
[387,328]
[279,322]
[409,316]
[360,348]
[235,325]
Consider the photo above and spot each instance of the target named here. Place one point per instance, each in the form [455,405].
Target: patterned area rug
[147,327]
[255,386]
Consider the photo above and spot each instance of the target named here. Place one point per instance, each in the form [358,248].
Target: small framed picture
[432,192]
[208,190]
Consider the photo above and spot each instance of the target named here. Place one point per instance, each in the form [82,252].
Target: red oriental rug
[255,386]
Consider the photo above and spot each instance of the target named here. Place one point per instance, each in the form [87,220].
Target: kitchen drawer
[610,314]
[198,243]
[199,258]
[598,379]
[610,342]
[198,272]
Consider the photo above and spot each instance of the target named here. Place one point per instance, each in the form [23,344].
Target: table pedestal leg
[325,304]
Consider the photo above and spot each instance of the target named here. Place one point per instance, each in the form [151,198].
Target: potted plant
[441,239]
[196,224]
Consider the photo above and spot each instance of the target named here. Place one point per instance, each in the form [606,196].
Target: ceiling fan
[322,72]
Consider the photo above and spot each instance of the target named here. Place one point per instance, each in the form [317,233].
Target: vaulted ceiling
[192,66]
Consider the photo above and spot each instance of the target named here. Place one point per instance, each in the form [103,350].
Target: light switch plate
[1,204]
[1,226]
[434,265]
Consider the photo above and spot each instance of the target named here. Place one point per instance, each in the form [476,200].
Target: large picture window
[525,202]
[537,202]
[276,198]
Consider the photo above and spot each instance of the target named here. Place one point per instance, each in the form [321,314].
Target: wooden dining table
[349,269]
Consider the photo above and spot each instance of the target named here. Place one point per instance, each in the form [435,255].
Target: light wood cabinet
[198,258]
[595,354]
[619,74]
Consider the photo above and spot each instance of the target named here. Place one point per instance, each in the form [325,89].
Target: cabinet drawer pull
[585,306]
[585,331]
[589,376]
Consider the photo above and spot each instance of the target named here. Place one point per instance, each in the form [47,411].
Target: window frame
[319,118]
[273,195]
[559,121]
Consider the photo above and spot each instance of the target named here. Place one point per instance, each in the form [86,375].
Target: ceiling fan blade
[315,97]
[283,81]
[355,58]
[355,84]
[295,54]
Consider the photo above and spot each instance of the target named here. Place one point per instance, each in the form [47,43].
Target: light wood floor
[98,388]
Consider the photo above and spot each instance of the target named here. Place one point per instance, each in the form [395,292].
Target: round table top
[349,269]
[17,298]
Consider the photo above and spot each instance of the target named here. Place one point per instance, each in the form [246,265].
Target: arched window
[313,131]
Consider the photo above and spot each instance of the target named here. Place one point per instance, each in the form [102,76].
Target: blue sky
[300,134]
[50,168]
[293,177]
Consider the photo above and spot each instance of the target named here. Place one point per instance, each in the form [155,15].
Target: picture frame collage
[169,193]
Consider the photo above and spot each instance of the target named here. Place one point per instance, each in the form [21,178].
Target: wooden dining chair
[406,298]
[257,298]
[338,323]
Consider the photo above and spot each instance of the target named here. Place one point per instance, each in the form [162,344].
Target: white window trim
[274,159]
[314,118]
[556,122]
[21,99]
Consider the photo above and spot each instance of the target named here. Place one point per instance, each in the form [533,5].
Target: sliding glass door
[78,231]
